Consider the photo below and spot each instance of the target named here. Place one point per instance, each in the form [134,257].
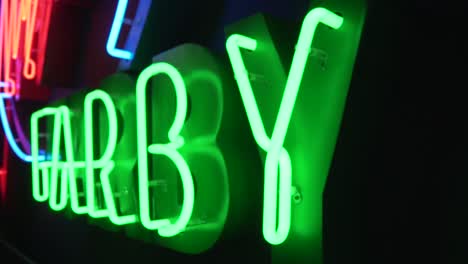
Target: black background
[397,189]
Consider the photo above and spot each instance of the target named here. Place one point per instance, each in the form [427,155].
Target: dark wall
[396,192]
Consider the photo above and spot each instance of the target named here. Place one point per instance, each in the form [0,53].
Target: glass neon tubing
[2,84]
[9,134]
[69,163]
[29,70]
[105,161]
[115,32]
[15,15]
[273,234]
[170,150]
[276,231]
[4,170]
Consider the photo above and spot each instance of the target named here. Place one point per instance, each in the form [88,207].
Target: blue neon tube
[115,32]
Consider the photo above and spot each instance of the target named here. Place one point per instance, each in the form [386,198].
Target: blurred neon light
[29,70]
[20,137]
[7,27]
[46,12]
[4,166]
[47,173]
[9,134]
[15,23]
[55,167]
[105,163]
[115,32]
[4,170]
[24,26]
[20,21]
[68,165]
[12,116]
[37,194]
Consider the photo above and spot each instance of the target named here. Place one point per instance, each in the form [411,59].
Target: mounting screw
[296,195]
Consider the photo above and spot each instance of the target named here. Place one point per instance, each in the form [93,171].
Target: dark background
[398,186]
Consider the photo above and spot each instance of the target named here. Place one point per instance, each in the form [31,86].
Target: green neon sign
[190,145]
[154,148]
[65,168]
[276,232]
[170,150]
[301,107]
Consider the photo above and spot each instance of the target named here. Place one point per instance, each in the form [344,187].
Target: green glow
[105,163]
[36,177]
[109,198]
[276,231]
[70,164]
[63,169]
[166,228]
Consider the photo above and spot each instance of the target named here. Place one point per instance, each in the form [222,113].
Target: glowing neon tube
[7,36]
[15,16]
[4,170]
[104,162]
[115,32]
[36,179]
[9,134]
[166,228]
[1,43]
[277,197]
[29,69]
[24,24]
[42,40]
[19,129]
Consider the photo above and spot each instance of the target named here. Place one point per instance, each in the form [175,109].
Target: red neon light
[23,39]
[4,164]
[24,27]
[46,12]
